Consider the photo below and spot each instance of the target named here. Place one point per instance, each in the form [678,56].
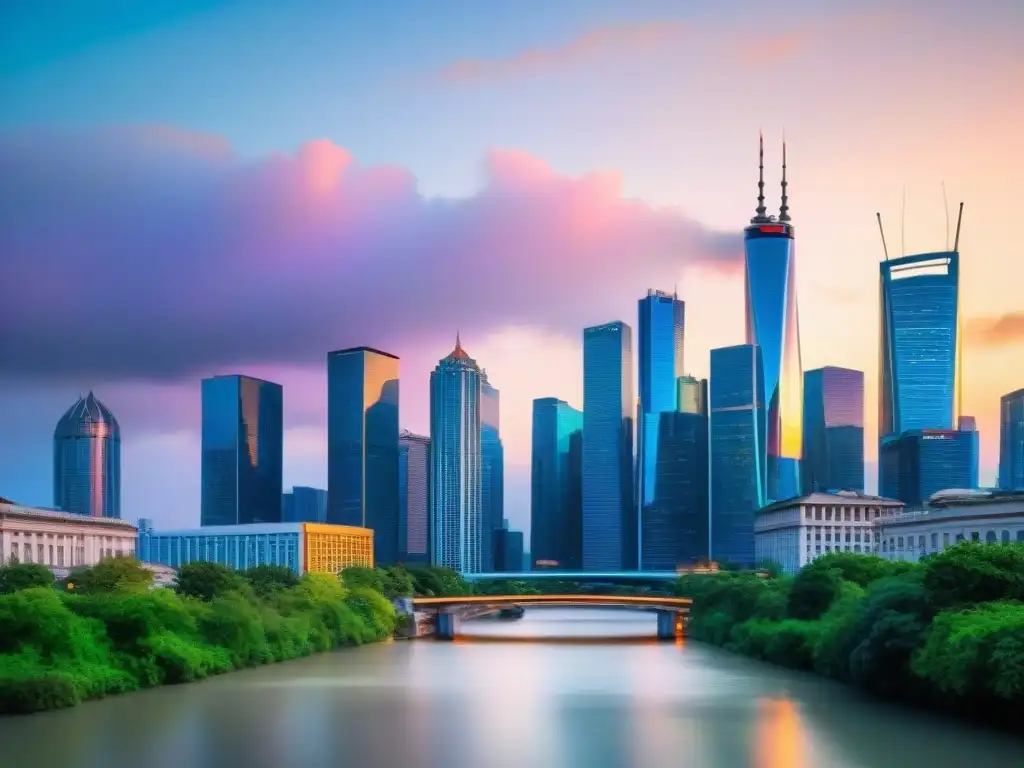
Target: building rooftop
[837,497]
[350,350]
[10,509]
[88,417]
[963,497]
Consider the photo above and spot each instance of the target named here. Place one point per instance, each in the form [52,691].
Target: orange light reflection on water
[779,741]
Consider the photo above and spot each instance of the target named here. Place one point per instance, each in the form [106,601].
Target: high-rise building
[692,395]
[243,451]
[362,445]
[492,466]
[87,460]
[737,439]
[556,511]
[661,324]
[773,325]
[457,521]
[917,463]
[610,535]
[508,550]
[413,498]
[833,430]
[304,505]
[1011,441]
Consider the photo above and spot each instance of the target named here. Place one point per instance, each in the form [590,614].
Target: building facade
[1011,441]
[833,430]
[304,505]
[362,445]
[87,460]
[414,498]
[492,466]
[59,539]
[508,551]
[556,502]
[737,439]
[610,535]
[795,532]
[302,547]
[242,451]
[692,395]
[457,522]
[773,326]
[916,464]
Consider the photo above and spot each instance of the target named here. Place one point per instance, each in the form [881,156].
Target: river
[562,688]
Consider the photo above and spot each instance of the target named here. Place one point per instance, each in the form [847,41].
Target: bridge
[672,612]
[592,577]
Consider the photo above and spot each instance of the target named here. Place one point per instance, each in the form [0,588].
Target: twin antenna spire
[761,217]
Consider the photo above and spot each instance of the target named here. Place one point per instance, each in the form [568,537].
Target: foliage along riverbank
[106,631]
[946,632]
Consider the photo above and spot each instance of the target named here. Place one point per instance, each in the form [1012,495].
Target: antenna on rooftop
[882,233]
[959,218]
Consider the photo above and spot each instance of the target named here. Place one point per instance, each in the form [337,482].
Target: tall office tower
[833,430]
[737,440]
[304,505]
[87,460]
[492,467]
[1011,441]
[773,325]
[508,550]
[675,524]
[362,445]
[556,511]
[457,522]
[917,463]
[414,498]
[243,451]
[610,535]
[661,322]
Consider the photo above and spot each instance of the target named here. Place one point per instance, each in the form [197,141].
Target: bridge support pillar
[447,625]
[671,625]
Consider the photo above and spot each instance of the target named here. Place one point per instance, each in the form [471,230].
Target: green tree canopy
[208,581]
[267,580]
[971,572]
[112,574]
[18,576]
[813,591]
[357,576]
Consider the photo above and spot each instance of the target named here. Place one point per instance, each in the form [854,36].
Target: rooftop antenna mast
[760,179]
[784,209]
[903,224]
[945,208]
[882,233]
[959,218]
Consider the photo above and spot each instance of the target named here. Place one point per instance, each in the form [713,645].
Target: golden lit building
[331,548]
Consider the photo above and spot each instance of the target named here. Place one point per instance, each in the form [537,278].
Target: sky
[194,187]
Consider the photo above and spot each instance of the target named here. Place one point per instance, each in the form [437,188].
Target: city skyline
[187,159]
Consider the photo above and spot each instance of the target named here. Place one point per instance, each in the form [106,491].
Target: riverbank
[947,633]
[107,632]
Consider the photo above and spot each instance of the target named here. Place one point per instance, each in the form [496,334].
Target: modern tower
[661,322]
[457,521]
[304,505]
[773,325]
[610,535]
[87,460]
[492,467]
[556,512]
[1011,441]
[413,498]
[737,448]
[243,451]
[362,445]
[833,430]
[917,463]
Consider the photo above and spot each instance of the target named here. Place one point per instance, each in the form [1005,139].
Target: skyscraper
[1011,440]
[773,325]
[414,498]
[556,512]
[457,521]
[833,430]
[737,437]
[305,505]
[917,463]
[610,535]
[362,445]
[87,460]
[692,395]
[492,467]
[243,451]
[661,322]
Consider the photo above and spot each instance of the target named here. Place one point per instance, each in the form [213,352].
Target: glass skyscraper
[1011,441]
[414,498]
[693,395]
[833,430]
[457,521]
[737,440]
[362,445]
[917,463]
[492,467]
[610,535]
[243,451]
[773,325]
[87,460]
[304,505]
[556,512]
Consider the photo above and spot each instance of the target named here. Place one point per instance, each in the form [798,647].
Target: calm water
[595,691]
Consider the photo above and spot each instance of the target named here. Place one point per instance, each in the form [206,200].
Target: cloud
[1003,331]
[157,255]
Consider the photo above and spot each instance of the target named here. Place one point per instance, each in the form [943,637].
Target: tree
[813,591]
[19,576]
[971,572]
[267,580]
[397,583]
[357,576]
[207,581]
[112,574]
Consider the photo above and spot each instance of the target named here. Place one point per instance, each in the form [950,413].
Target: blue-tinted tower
[1011,441]
[833,430]
[242,452]
[773,325]
[737,448]
[492,468]
[917,463]
[414,498]
[556,511]
[305,505]
[87,460]
[610,535]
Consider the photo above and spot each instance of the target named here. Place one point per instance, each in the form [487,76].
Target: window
[1020,536]
[920,542]
[935,541]
[945,539]
[959,537]
[1005,538]
[884,547]
[975,536]
[899,542]
[990,537]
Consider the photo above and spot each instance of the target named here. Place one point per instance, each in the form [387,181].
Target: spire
[760,179]
[784,209]
[458,342]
